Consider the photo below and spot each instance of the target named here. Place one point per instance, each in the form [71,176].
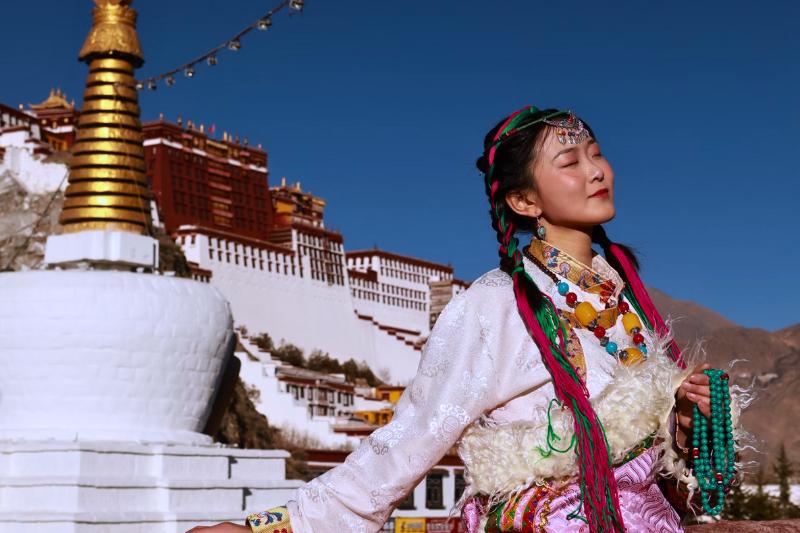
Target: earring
[540,231]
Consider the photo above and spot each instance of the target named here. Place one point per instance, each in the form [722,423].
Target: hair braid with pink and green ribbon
[600,500]
[599,497]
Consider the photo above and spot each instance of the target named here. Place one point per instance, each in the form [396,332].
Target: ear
[524,203]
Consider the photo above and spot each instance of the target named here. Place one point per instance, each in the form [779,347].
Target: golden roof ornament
[57,99]
[108,187]
[113,33]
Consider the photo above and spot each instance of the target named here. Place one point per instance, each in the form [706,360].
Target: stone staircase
[409,338]
[126,487]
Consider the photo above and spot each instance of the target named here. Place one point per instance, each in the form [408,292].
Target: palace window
[434,496]
[460,484]
[408,503]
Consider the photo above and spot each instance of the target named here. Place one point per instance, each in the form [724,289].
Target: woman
[554,374]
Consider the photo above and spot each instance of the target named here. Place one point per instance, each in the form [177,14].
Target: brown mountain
[769,361]
[790,335]
[692,321]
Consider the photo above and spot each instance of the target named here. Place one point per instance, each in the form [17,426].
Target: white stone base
[107,355]
[100,246]
[117,487]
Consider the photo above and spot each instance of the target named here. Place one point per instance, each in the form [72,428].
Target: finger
[698,379]
[702,403]
[685,421]
[697,390]
[697,398]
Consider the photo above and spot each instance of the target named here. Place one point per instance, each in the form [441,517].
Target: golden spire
[107,182]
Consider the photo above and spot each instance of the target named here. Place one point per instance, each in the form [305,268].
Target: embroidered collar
[600,278]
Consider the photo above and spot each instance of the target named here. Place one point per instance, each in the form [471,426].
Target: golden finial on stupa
[113,33]
[107,182]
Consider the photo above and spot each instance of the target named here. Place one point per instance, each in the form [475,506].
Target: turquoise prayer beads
[712,442]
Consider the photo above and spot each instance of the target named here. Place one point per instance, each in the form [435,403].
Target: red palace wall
[200,181]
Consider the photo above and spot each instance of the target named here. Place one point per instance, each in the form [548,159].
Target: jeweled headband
[569,129]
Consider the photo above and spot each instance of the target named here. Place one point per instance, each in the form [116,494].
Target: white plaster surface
[308,313]
[120,487]
[120,247]
[105,355]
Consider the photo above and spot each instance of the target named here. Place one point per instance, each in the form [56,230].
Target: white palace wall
[309,313]
[32,171]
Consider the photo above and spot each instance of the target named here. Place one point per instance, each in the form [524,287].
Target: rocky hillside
[243,426]
[25,222]
[770,361]
[692,320]
[27,219]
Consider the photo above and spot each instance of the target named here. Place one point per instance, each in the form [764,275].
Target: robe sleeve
[456,382]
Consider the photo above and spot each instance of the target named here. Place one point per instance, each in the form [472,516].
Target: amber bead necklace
[587,316]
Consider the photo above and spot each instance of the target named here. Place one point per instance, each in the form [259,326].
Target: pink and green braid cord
[599,495]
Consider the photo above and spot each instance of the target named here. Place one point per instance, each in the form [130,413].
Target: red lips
[601,192]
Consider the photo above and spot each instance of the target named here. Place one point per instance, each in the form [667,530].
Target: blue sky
[381,107]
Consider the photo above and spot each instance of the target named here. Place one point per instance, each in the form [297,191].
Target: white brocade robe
[478,363]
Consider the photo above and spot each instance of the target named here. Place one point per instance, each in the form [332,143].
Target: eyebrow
[565,150]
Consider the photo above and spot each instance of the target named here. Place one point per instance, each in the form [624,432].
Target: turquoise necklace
[712,441]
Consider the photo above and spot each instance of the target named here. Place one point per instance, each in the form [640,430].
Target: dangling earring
[540,231]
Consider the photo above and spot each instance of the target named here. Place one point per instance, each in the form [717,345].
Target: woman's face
[574,183]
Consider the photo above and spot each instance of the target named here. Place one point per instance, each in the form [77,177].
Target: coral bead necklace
[713,445]
[587,315]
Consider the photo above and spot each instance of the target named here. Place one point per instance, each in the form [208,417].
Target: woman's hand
[225,527]
[693,390]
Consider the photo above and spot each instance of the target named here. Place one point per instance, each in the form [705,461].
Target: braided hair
[509,149]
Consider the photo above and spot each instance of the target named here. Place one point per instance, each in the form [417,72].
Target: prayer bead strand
[713,450]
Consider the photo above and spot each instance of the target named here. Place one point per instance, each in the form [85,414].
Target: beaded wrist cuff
[275,520]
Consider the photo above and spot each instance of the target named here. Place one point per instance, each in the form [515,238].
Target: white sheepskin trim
[505,459]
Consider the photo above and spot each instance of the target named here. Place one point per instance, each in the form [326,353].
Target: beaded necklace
[714,466]
[587,315]
[713,452]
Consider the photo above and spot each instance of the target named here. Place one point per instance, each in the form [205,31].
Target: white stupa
[108,371]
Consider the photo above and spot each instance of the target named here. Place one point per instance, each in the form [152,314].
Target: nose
[596,174]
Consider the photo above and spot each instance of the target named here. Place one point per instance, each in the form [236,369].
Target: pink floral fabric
[644,508]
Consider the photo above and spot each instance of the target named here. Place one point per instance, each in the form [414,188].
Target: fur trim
[505,459]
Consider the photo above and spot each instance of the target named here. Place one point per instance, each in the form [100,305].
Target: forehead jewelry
[569,129]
